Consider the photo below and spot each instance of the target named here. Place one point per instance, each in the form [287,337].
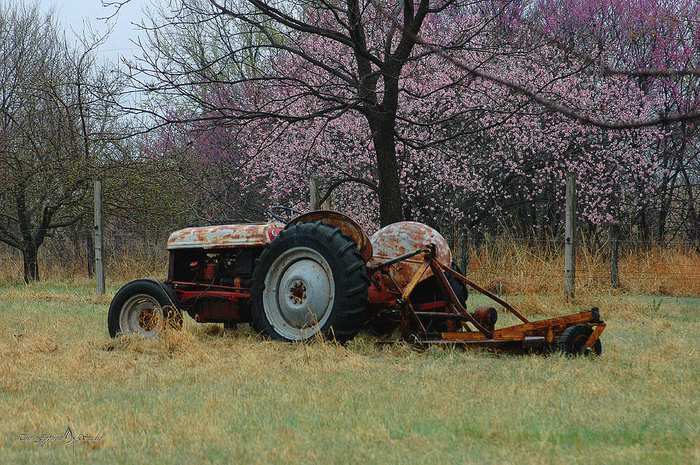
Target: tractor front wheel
[143,307]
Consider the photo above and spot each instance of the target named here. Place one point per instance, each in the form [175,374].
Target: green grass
[209,395]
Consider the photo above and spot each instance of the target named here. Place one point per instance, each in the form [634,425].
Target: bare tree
[47,130]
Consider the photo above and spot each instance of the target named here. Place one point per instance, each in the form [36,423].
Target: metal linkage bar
[488,294]
[400,258]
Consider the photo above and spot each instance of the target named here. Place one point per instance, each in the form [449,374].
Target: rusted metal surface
[452,301]
[240,290]
[347,226]
[510,346]
[227,236]
[377,293]
[594,337]
[209,272]
[518,338]
[488,294]
[532,329]
[417,276]
[215,310]
[399,258]
[487,317]
[211,303]
[402,238]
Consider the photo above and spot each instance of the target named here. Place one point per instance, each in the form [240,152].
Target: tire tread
[344,258]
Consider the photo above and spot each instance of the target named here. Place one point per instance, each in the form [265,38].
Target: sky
[74,14]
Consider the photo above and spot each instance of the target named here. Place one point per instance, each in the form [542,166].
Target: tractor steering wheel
[283,214]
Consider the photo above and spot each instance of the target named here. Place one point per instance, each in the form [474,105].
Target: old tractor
[320,275]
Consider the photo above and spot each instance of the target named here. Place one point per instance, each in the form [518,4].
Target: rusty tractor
[320,275]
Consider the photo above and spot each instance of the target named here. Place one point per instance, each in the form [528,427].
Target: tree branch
[345,180]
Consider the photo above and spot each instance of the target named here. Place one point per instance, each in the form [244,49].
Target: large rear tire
[309,282]
[144,307]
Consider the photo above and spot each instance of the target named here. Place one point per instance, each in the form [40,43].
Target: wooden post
[614,254]
[570,233]
[314,194]
[99,264]
[90,247]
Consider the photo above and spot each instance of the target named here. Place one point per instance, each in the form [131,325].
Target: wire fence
[528,265]
[506,264]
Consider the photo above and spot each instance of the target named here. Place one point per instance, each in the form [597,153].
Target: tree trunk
[614,254]
[666,192]
[663,218]
[693,228]
[390,204]
[644,229]
[693,219]
[31,264]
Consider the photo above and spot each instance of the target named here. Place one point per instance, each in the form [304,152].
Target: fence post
[314,194]
[570,233]
[614,254]
[99,264]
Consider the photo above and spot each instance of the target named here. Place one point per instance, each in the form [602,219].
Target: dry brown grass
[59,265]
[506,265]
[209,395]
[514,267]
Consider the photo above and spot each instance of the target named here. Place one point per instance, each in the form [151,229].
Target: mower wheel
[309,282]
[144,307]
[574,337]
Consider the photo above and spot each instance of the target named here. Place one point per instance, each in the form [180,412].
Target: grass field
[209,395]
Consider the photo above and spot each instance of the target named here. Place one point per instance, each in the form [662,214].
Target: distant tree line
[465,115]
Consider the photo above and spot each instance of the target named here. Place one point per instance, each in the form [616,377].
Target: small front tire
[143,307]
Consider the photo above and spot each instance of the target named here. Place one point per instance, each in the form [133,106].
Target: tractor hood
[226,236]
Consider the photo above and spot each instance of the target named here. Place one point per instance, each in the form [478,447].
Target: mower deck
[478,330]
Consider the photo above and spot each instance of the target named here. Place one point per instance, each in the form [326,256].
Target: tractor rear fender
[347,226]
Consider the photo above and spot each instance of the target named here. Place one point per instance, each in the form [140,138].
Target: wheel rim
[299,293]
[578,343]
[141,314]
